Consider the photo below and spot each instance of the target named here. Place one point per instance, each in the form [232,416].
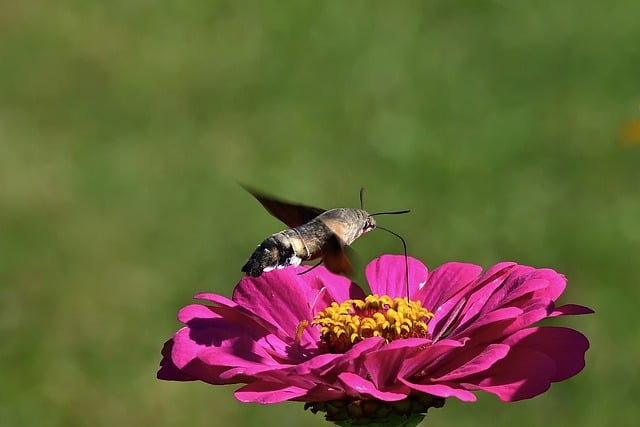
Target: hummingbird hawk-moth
[314,233]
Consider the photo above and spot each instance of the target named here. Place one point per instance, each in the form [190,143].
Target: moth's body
[314,234]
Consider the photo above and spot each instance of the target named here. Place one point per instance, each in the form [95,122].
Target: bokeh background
[125,127]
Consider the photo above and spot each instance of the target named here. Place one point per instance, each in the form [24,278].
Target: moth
[314,233]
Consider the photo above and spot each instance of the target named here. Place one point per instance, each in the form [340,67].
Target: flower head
[318,338]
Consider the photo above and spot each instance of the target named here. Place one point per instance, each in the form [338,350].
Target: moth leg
[310,268]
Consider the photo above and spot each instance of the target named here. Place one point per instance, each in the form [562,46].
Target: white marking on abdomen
[294,260]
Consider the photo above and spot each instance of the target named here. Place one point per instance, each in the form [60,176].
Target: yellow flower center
[343,325]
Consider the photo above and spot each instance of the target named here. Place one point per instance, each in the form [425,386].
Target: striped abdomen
[288,247]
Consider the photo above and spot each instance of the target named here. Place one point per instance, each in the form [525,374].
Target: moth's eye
[369,225]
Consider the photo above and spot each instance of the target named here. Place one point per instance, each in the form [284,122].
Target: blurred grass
[124,127]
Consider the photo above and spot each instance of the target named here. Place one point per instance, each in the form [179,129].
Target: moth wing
[291,214]
[336,257]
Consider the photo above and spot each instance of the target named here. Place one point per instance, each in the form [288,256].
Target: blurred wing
[289,213]
[336,258]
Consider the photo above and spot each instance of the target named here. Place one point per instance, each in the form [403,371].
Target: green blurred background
[126,125]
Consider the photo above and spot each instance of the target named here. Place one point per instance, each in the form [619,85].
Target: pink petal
[220,349]
[565,346]
[283,289]
[445,284]
[252,360]
[526,288]
[168,370]
[445,318]
[322,393]
[318,362]
[358,386]
[217,299]
[238,316]
[510,291]
[387,275]
[482,290]
[309,368]
[265,392]
[453,360]
[384,365]
[480,324]
[538,357]
[196,311]
[352,360]
[495,325]
[240,351]
[338,288]
[297,297]
[556,283]
[197,370]
[428,358]
[487,357]
[442,390]
[523,284]
[180,367]
[213,326]
[525,373]
[497,273]
[571,310]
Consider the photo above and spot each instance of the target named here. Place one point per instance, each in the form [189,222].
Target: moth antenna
[380,213]
[406,260]
[391,212]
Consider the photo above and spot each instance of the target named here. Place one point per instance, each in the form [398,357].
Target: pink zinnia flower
[317,338]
